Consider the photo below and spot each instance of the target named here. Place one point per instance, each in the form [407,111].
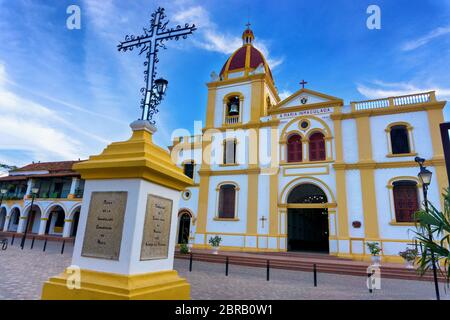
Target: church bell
[234,109]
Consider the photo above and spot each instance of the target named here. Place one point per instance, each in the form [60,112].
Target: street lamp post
[34,191]
[425,177]
[2,192]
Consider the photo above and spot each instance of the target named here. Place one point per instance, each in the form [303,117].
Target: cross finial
[303,82]
[248,25]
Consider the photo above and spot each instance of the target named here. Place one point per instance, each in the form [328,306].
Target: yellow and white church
[307,173]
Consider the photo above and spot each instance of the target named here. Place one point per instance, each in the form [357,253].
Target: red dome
[237,61]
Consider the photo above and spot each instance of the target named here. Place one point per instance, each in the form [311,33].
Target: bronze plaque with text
[103,235]
[155,240]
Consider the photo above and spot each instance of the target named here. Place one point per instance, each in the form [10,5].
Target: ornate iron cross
[150,42]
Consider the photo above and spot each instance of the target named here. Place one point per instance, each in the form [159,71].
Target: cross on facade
[262,219]
[303,82]
[150,42]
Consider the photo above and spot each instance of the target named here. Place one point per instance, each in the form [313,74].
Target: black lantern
[161,86]
[425,176]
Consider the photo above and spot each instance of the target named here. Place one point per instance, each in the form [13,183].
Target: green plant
[437,224]
[374,248]
[215,241]
[409,254]
[184,248]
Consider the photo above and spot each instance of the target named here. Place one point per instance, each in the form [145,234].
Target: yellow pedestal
[163,285]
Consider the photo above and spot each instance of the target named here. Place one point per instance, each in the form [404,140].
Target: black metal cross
[262,219]
[303,82]
[153,39]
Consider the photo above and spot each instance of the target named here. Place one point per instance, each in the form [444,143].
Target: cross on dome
[248,36]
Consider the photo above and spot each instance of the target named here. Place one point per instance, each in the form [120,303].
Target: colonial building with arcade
[307,173]
[56,192]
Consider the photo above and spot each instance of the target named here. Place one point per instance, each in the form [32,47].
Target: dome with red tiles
[245,60]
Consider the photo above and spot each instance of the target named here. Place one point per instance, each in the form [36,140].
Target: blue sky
[65,94]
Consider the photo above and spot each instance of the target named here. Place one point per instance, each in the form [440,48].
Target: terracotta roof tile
[52,167]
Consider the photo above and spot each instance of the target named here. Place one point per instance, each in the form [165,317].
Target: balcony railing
[393,102]
[232,119]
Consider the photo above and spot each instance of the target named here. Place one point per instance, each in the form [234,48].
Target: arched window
[227,201]
[233,108]
[317,147]
[189,169]
[229,152]
[399,139]
[294,148]
[406,202]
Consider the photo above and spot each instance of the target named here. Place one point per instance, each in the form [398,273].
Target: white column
[29,186]
[42,226]
[22,225]
[5,225]
[67,228]
[74,185]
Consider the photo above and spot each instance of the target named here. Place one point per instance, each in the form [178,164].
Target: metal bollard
[190,263]
[63,245]
[268,270]
[32,243]
[45,245]
[315,275]
[369,282]
[226,266]
[5,245]
[12,240]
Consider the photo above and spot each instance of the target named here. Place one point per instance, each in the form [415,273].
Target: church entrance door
[308,230]
[307,219]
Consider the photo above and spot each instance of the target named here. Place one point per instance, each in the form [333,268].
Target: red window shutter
[317,147]
[294,147]
[405,202]
[227,199]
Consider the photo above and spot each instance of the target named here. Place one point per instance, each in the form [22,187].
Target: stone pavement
[22,274]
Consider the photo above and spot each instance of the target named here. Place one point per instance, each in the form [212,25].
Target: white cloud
[212,39]
[379,89]
[35,130]
[419,42]
[284,94]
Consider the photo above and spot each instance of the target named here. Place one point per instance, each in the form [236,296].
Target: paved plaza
[22,274]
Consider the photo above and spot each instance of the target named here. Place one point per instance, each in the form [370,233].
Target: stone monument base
[162,285]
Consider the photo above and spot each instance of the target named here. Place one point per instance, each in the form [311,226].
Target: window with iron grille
[189,169]
[229,152]
[317,147]
[406,201]
[399,139]
[227,201]
[294,148]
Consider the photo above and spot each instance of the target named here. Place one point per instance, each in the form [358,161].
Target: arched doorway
[2,217]
[34,214]
[184,226]
[75,220]
[307,219]
[14,220]
[55,222]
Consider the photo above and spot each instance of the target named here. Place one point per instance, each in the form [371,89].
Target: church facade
[307,173]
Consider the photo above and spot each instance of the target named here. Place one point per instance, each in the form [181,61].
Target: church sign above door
[305,113]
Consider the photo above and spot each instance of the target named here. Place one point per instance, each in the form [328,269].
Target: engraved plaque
[155,240]
[104,226]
